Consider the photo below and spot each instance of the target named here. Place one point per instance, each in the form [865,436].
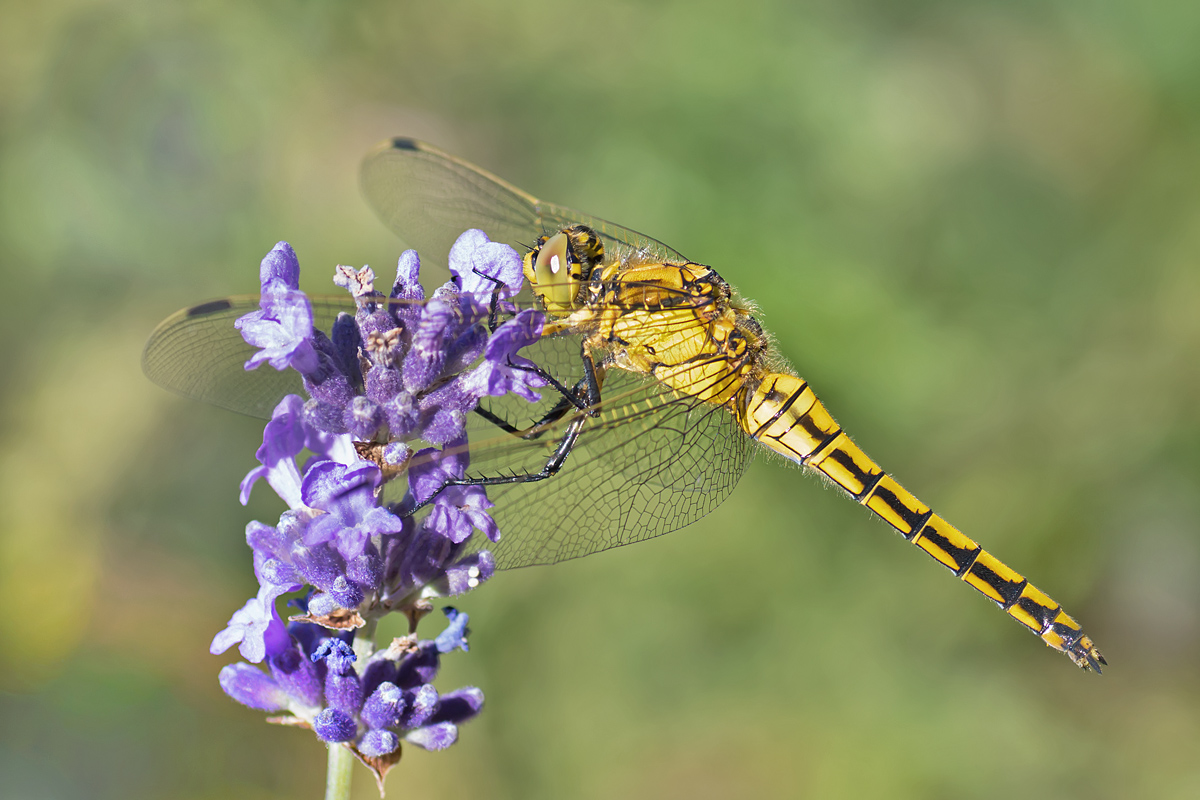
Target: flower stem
[364,641]
[337,773]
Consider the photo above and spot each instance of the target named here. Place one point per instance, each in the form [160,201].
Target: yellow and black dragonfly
[668,385]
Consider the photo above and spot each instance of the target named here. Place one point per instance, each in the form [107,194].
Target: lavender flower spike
[399,374]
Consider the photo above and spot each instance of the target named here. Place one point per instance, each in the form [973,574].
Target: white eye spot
[473,572]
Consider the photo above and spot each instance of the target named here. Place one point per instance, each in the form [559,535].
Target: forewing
[198,353]
[429,197]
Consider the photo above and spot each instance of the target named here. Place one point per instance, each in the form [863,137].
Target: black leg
[589,385]
[494,305]
[584,396]
[551,468]
[536,429]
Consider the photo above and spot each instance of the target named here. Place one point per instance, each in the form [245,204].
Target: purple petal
[431,468]
[297,675]
[455,635]
[460,510]
[283,437]
[266,540]
[334,725]
[459,706]
[282,265]
[256,628]
[376,743]
[252,687]
[504,371]
[320,565]
[474,259]
[282,328]
[346,490]
[384,707]
[469,572]
[434,737]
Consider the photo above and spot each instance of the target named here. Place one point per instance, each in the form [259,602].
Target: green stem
[337,773]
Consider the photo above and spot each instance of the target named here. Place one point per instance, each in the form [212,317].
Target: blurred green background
[973,226]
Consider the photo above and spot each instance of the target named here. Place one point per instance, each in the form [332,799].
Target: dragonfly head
[559,265]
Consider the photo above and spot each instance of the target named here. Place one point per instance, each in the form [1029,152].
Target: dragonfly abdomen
[786,416]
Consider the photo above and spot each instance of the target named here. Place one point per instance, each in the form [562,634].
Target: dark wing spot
[211,307]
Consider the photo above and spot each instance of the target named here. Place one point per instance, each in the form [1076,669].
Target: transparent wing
[198,353]
[428,197]
[652,461]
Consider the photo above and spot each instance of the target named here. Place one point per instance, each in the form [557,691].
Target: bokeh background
[972,225]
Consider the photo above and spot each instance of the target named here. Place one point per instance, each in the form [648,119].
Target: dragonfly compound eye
[556,276]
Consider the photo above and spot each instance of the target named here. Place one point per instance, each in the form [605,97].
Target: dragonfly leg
[494,305]
[536,429]
[549,470]
[584,396]
[589,385]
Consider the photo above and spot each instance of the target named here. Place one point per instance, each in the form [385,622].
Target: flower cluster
[314,678]
[402,370]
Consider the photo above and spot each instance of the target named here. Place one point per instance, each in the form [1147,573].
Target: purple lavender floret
[283,325]
[389,697]
[372,706]
[400,371]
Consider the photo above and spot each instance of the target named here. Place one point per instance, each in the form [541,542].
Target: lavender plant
[401,371]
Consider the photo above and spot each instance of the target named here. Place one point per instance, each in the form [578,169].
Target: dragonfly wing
[429,197]
[198,353]
[652,461]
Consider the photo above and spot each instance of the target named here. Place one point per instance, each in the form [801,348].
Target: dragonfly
[667,385]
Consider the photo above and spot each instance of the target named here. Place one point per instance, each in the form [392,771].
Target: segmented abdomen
[786,416]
